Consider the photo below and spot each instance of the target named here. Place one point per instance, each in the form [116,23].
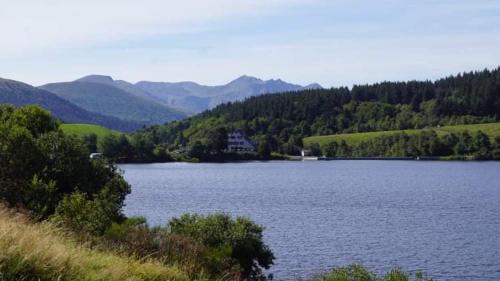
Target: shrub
[119,231]
[359,273]
[93,215]
[231,243]
[134,235]
[79,214]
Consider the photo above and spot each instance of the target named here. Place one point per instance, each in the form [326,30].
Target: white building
[237,141]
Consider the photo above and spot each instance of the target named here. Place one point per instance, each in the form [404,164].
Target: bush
[93,213]
[359,273]
[136,238]
[231,243]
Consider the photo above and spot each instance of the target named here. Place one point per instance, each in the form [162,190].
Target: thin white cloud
[36,25]
[48,41]
[327,61]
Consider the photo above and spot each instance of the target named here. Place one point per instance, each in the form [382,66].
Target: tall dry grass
[39,251]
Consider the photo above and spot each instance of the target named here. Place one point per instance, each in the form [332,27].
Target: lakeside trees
[40,166]
[426,143]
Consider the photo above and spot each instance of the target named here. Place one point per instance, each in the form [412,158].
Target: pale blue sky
[331,42]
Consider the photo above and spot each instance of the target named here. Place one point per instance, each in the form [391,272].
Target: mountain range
[194,98]
[109,99]
[20,94]
[125,106]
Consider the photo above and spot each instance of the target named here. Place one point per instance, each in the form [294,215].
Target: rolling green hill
[86,129]
[491,129]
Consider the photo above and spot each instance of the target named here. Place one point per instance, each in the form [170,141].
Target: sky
[331,42]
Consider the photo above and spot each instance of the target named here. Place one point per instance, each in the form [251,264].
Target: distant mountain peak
[246,78]
[94,78]
[313,86]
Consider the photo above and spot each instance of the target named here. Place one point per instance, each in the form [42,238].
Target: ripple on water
[439,217]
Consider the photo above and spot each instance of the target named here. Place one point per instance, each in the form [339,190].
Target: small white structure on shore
[237,141]
[306,153]
[95,155]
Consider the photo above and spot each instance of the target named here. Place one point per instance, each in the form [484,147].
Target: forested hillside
[279,122]
[466,98]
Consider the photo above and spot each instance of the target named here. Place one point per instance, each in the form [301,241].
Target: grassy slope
[491,129]
[37,251]
[85,129]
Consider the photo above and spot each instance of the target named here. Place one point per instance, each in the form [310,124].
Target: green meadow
[86,129]
[491,129]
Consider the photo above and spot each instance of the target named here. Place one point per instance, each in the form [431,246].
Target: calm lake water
[439,217]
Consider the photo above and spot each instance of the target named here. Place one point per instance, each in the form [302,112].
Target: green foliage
[265,147]
[90,142]
[117,148]
[424,143]
[35,119]
[359,273]
[161,153]
[19,162]
[93,213]
[119,231]
[40,165]
[40,196]
[216,140]
[233,242]
[197,150]
[315,149]
[78,212]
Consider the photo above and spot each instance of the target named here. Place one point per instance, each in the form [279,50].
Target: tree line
[279,122]
[461,145]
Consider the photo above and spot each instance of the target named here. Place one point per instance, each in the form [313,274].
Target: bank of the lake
[437,216]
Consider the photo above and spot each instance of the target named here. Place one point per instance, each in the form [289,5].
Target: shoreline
[323,159]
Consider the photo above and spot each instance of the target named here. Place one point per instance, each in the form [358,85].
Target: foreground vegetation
[30,251]
[48,175]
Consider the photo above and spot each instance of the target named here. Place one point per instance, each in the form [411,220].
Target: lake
[439,217]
